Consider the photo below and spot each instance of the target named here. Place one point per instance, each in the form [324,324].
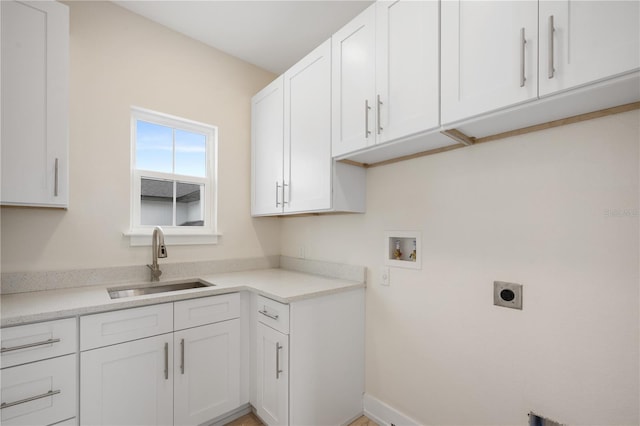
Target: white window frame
[140,235]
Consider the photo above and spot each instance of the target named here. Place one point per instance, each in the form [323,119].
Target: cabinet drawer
[34,342]
[121,326]
[40,393]
[206,310]
[274,314]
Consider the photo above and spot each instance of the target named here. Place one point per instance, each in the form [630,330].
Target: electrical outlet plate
[507,295]
[385,279]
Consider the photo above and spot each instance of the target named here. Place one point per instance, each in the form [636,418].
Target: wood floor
[251,420]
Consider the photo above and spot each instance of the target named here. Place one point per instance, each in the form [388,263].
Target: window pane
[190,154]
[189,204]
[156,202]
[154,147]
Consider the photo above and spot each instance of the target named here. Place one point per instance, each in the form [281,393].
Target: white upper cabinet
[385,75]
[586,41]
[407,68]
[292,167]
[35,68]
[307,134]
[267,109]
[353,76]
[489,56]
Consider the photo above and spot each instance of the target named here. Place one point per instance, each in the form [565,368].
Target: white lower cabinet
[272,376]
[39,373]
[40,393]
[206,372]
[187,377]
[128,384]
[309,360]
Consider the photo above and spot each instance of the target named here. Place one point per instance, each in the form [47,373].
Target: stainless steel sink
[120,292]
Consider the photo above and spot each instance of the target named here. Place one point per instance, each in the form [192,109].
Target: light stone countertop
[279,284]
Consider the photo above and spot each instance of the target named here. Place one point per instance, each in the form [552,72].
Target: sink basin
[120,292]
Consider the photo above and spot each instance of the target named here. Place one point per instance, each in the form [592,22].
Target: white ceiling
[270,34]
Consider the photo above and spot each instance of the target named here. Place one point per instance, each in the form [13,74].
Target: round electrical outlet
[507,295]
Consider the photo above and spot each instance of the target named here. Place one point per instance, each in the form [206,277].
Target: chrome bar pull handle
[523,42]
[182,356]
[29,345]
[284,202]
[55,179]
[277,187]
[31,398]
[278,348]
[267,314]
[378,117]
[366,119]
[552,30]
[166,361]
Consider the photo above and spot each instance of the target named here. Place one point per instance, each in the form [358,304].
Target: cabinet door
[585,41]
[40,393]
[407,68]
[207,372]
[272,376]
[35,67]
[267,141]
[353,84]
[489,56]
[307,135]
[128,384]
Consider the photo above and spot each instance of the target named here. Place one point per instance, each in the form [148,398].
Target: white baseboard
[384,414]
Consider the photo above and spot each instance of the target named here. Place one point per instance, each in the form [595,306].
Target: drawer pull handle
[32,398]
[267,314]
[29,345]
[166,361]
[182,356]
[278,371]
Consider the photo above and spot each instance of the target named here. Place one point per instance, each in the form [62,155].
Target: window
[173,178]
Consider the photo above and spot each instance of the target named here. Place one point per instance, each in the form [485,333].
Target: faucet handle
[155,272]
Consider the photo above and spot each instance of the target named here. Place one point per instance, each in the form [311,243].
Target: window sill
[142,237]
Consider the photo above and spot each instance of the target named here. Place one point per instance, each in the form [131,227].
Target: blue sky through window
[190,154]
[155,150]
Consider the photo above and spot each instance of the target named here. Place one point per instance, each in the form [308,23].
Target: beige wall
[119,59]
[529,209]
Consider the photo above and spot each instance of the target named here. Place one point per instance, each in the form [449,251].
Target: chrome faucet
[158,249]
